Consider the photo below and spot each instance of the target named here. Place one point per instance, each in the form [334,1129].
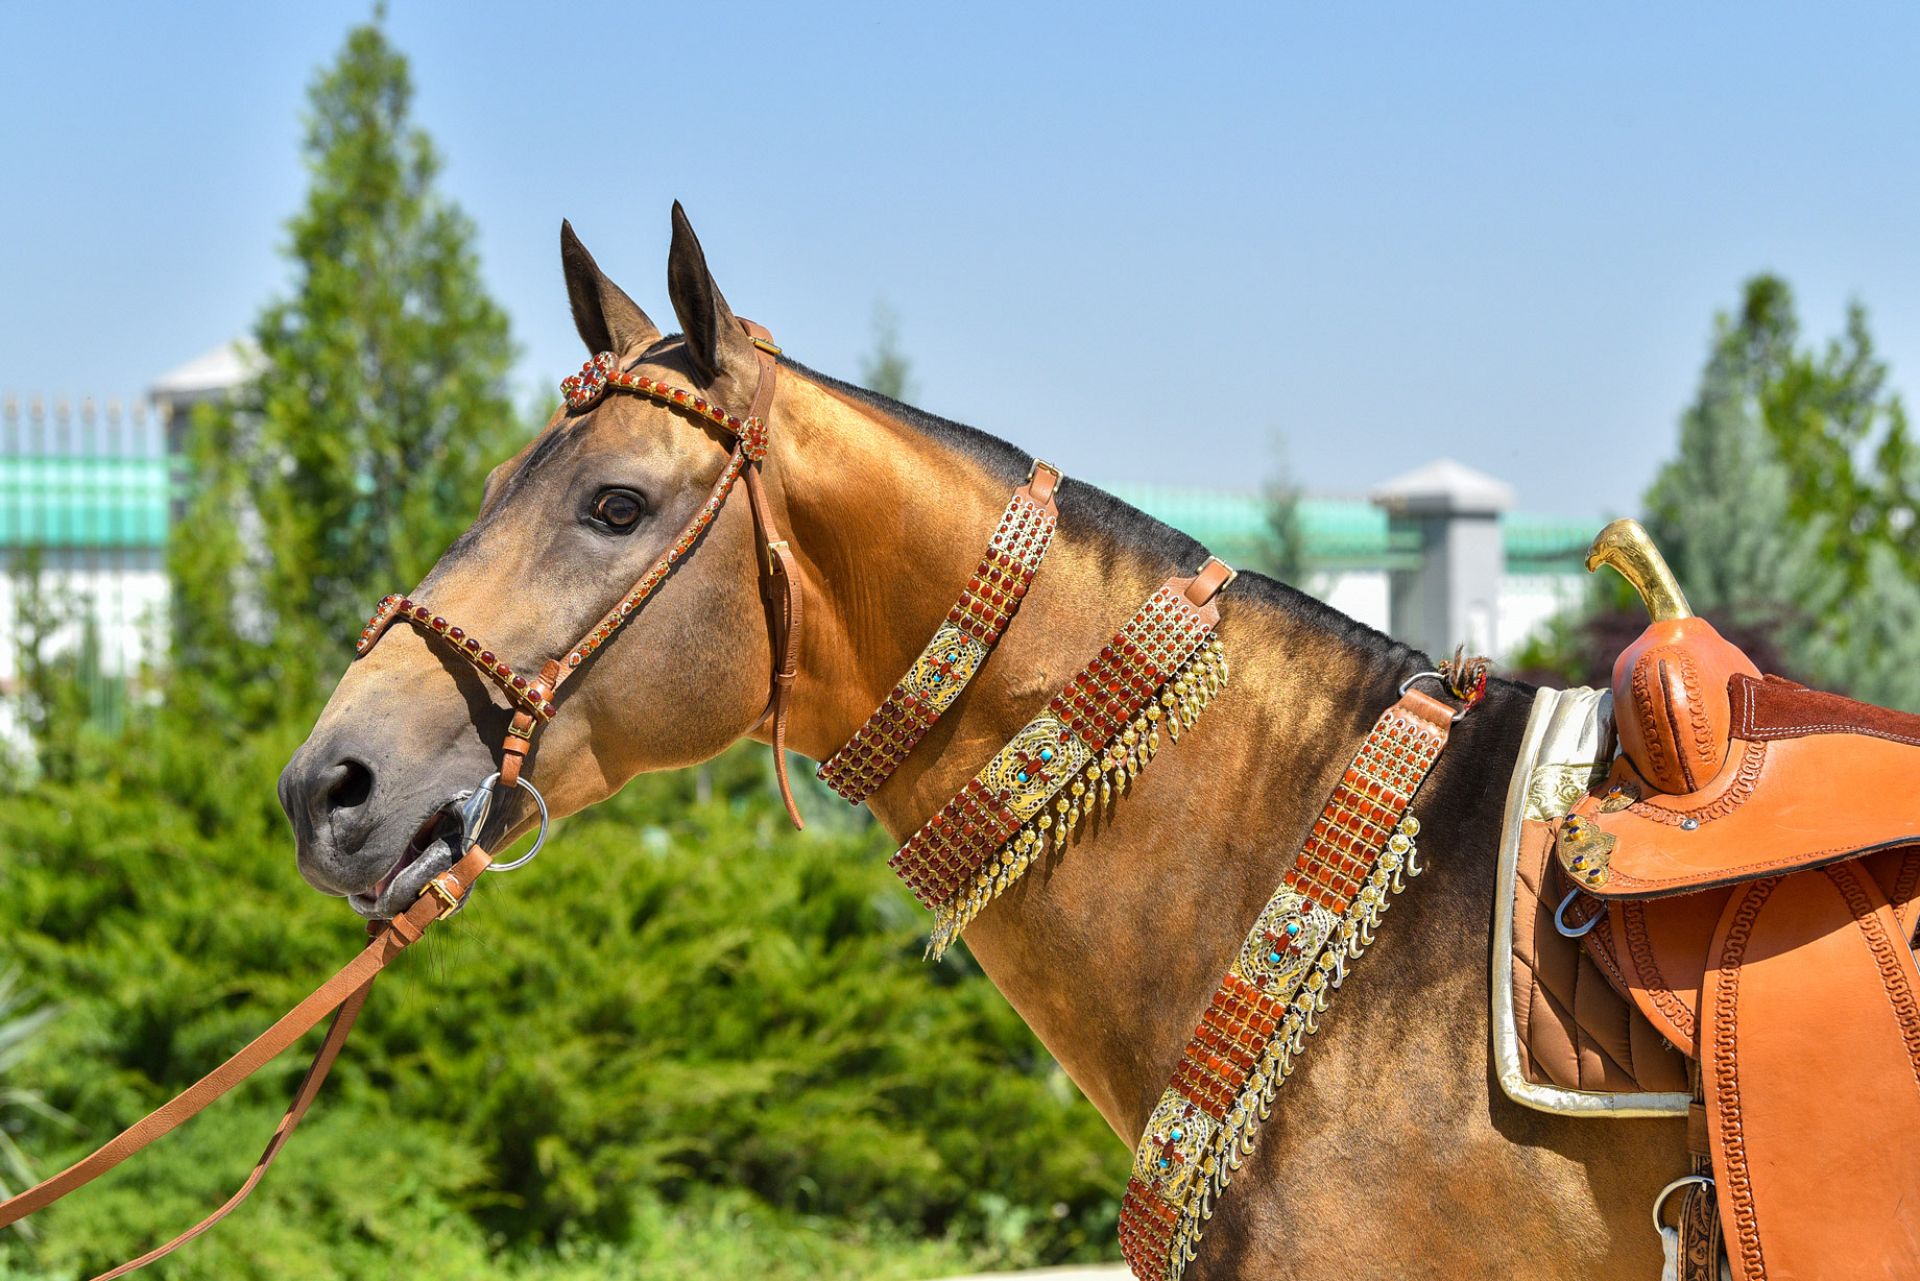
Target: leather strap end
[1429,709]
[1042,482]
[513,749]
[786,785]
[765,351]
[1206,584]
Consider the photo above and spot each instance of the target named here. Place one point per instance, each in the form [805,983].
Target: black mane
[1087,510]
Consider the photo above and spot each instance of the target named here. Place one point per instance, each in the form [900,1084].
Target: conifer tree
[887,368]
[380,401]
[1790,505]
[1719,508]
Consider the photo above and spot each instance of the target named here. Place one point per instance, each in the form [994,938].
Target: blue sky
[1146,242]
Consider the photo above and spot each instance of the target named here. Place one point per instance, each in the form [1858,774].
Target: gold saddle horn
[1626,545]
[1673,713]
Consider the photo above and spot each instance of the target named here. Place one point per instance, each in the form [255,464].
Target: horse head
[613,485]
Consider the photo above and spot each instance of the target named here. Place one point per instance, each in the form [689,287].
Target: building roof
[221,369]
[1444,485]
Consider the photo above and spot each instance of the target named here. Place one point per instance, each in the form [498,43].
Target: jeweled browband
[1161,669]
[1357,856]
[972,628]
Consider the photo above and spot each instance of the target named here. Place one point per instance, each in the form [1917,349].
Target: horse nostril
[352,788]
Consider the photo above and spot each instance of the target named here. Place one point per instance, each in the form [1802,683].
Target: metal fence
[84,495]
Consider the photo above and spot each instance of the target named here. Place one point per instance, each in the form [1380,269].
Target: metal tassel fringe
[1234,1141]
[1175,706]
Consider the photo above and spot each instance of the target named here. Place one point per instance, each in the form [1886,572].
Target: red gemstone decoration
[983,611]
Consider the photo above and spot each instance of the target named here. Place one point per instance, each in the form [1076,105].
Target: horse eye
[618,509]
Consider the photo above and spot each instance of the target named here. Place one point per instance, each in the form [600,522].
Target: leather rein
[343,995]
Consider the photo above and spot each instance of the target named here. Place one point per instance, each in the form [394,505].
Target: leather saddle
[1750,868]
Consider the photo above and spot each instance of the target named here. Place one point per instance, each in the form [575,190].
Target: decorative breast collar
[1163,667]
[961,644]
[1357,856]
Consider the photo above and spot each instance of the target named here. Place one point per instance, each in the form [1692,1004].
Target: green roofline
[71,501]
[100,502]
[1345,533]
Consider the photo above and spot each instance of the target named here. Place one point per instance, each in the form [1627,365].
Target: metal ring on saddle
[1436,676]
[475,809]
[1660,1201]
[1560,918]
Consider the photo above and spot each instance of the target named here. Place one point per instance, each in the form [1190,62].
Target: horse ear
[607,319]
[715,341]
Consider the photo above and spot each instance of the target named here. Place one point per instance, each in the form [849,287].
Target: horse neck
[1111,948]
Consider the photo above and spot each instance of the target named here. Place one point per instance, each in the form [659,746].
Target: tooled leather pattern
[1735,1177]
[1738,792]
[1706,744]
[1893,975]
[1672,1008]
[1600,947]
[1669,703]
[1645,699]
[1904,886]
[1700,1230]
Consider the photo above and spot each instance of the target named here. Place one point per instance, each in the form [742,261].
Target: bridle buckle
[439,888]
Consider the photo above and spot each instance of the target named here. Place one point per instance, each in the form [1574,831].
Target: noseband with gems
[532,697]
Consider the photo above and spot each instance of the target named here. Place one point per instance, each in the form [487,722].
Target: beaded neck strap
[1357,856]
[1160,670]
[972,628]
[532,698]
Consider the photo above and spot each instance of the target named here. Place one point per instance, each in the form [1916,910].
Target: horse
[1392,1151]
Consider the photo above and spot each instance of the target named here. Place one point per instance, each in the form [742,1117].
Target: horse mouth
[429,852]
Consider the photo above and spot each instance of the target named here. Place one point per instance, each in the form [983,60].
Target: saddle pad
[1810,779]
[1812,1074]
[1564,1040]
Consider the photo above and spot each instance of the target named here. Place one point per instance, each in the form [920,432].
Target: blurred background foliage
[684,1035]
[687,1042]
[1788,513]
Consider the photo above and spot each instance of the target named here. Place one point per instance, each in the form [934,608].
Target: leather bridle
[532,698]
[343,995]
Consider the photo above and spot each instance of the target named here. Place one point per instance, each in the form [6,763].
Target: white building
[1432,557]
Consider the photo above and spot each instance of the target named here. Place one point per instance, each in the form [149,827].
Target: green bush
[682,1032]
